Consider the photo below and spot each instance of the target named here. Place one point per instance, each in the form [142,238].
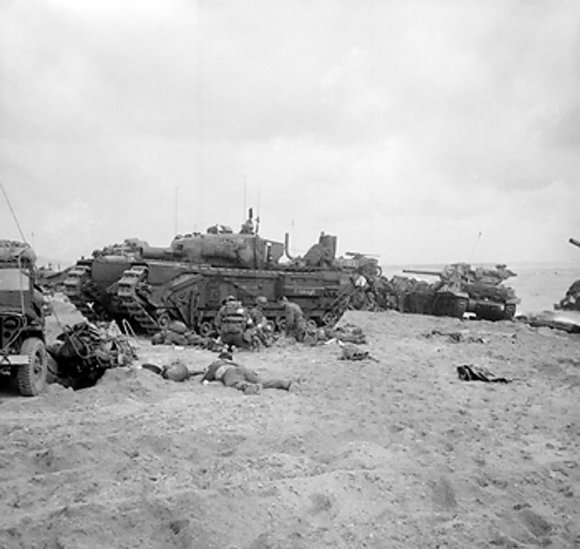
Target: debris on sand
[84,352]
[467,372]
[352,352]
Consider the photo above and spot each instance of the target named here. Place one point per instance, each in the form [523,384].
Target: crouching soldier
[232,374]
[232,322]
[294,318]
[260,325]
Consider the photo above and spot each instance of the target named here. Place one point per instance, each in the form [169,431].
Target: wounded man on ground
[232,374]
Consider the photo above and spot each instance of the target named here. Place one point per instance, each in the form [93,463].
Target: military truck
[22,307]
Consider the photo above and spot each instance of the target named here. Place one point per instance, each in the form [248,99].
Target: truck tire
[31,377]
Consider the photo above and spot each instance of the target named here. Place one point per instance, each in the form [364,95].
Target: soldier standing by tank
[231,322]
[295,321]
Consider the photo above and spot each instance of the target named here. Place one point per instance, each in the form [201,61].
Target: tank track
[131,303]
[73,289]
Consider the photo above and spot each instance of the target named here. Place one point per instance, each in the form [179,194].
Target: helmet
[229,298]
[261,300]
[225,354]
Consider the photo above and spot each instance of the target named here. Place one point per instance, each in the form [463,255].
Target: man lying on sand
[232,374]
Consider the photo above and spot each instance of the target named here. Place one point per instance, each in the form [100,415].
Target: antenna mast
[13,213]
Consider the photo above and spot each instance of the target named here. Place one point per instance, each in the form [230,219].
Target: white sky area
[420,131]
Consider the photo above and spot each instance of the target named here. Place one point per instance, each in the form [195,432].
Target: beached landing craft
[464,289]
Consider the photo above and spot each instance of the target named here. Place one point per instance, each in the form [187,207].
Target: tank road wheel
[509,311]
[206,328]
[311,324]
[329,319]
[163,320]
[281,323]
[31,377]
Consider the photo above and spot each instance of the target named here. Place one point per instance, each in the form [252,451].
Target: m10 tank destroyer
[90,283]
[189,280]
[571,301]
[464,289]
[22,309]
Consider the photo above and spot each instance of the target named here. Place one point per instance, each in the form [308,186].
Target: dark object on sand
[467,372]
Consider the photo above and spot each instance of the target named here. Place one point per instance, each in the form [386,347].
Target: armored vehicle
[22,343]
[90,284]
[571,301]
[462,288]
[174,283]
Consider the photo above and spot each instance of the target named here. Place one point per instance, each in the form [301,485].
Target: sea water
[538,285]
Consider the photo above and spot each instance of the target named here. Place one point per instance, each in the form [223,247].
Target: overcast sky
[421,131]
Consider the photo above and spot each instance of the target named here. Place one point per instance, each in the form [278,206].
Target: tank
[571,301]
[464,289]
[189,280]
[90,283]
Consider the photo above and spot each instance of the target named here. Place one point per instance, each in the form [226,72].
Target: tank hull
[154,293]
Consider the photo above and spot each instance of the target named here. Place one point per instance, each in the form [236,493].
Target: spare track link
[131,303]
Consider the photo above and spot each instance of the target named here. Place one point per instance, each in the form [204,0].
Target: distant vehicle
[464,289]
[571,301]
[22,308]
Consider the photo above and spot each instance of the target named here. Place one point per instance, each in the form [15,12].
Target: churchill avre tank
[90,283]
[464,289]
[187,281]
[571,301]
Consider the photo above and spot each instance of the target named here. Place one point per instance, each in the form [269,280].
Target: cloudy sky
[422,131]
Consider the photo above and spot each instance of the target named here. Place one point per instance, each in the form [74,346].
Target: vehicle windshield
[14,280]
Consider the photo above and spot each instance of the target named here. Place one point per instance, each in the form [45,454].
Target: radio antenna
[258,209]
[475,246]
[13,213]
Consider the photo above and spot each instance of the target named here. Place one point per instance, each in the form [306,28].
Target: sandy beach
[394,452]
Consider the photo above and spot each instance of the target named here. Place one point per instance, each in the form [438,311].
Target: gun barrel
[152,252]
[574,242]
[422,272]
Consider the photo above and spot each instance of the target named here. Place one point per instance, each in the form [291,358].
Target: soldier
[232,374]
[260,324]
[295,322]
[231,323]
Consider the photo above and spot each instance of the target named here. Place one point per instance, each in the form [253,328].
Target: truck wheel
[31,377]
